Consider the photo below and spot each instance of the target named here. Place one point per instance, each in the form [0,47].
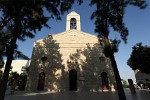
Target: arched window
[73,23]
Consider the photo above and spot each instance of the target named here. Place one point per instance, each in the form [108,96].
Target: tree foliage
[139,58]
[22,81]
[124,83]
[114,47]
[13,76]
[24,18]
[110,13]
[5,37]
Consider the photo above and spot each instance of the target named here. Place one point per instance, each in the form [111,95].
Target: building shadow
[46,66]
[93,68]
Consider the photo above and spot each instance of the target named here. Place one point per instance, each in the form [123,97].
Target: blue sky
[137,21]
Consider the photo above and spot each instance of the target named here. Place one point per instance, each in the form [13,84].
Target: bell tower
[73,21]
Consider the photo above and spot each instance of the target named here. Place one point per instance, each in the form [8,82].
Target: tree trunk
[110,54]
[5,76]
[120,90]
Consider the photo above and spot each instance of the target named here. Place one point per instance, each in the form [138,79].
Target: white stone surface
[72,49]
[18,64]
[73,14]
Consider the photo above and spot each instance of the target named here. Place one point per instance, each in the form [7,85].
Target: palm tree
[110,13]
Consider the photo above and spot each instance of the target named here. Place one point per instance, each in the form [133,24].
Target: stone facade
[71,60]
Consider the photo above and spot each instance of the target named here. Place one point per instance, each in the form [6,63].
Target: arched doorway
[73,80]
[41,81]
[105,82]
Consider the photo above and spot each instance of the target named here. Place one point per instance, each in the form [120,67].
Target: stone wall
[65,51]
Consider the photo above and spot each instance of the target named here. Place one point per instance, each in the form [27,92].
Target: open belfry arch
[73,21]
[72,60]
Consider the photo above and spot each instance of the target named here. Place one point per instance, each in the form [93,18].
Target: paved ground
[140,95]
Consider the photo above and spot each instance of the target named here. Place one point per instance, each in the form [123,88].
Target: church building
[72,60]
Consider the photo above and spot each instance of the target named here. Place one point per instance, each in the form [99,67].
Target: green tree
[124,83]
[5,37]
[139,58]
[22,81]
[24,18]
[13,76]
[4,40]
[110,13]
